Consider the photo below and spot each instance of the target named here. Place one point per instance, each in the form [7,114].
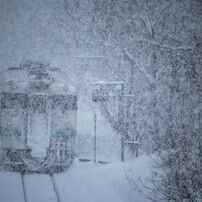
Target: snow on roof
[31,74]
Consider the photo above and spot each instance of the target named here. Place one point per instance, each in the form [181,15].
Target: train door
[63,122]
[38,124]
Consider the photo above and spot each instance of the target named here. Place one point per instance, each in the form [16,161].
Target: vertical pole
[121,119]
[95,119]
[137,147]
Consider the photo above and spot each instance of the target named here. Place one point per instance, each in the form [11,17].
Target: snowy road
[82,182]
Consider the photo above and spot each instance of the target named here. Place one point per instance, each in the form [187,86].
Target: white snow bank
[86,182]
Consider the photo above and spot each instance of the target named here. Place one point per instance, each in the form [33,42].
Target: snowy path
[82,182]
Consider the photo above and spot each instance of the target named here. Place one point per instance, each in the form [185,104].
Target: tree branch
[155,43]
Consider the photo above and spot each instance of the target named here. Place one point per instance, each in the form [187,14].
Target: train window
[14,100]
[64,102]
[38,103]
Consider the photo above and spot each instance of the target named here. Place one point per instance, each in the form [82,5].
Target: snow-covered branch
[158,44]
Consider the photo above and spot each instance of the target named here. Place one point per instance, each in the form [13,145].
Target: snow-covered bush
[180,167]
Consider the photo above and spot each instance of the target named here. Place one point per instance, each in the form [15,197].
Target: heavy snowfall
[100,100]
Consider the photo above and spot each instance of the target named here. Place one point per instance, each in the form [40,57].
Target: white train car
[37,118]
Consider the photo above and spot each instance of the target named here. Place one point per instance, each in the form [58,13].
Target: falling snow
[100,100]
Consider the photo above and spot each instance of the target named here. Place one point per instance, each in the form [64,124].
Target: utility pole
[122,120]
[95,119]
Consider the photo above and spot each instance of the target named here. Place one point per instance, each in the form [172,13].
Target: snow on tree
[159,44]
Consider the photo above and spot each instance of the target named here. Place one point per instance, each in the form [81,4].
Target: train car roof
[35,76]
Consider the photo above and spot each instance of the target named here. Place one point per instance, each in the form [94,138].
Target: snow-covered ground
[82,182]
